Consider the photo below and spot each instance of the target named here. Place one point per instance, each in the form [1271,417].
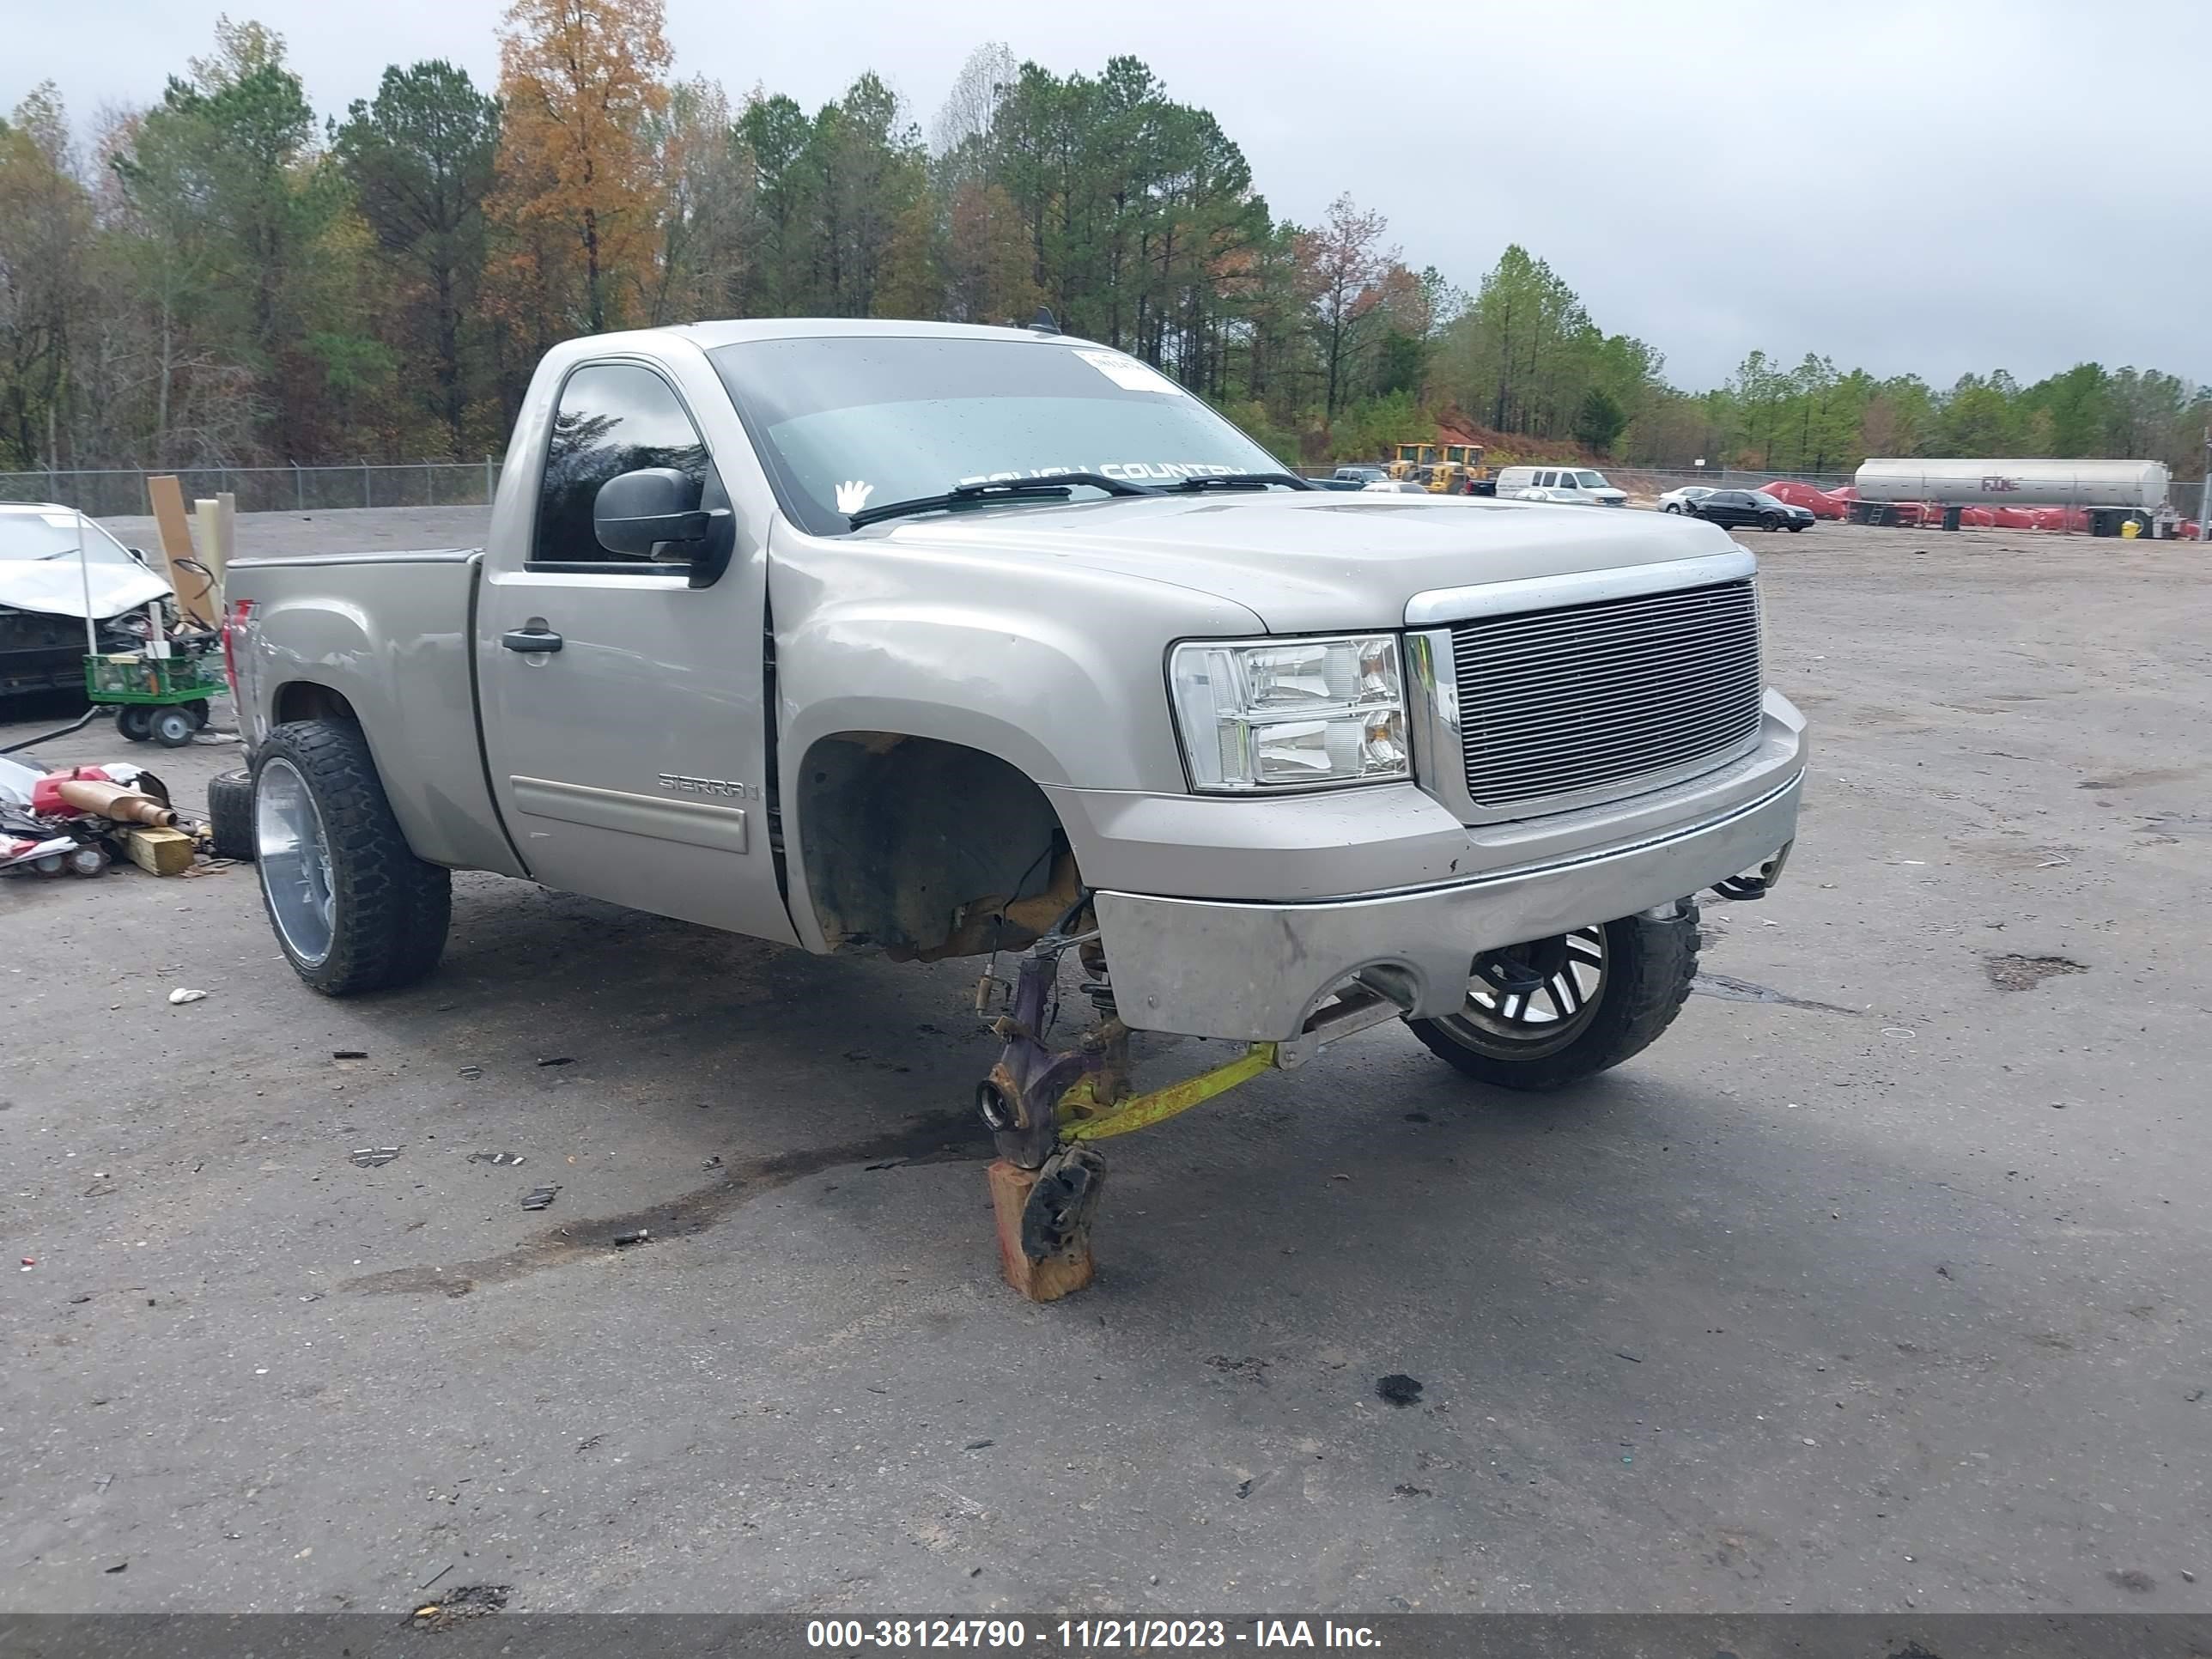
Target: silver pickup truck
[955,641]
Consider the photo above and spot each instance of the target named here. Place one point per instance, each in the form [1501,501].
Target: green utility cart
[161,698]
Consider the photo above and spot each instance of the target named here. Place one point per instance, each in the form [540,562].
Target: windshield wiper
[1240,481]
[1004,489]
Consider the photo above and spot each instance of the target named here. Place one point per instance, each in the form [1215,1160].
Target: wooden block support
[165,852]
[1039,1281]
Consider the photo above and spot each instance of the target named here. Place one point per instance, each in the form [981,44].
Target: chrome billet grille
[1597,697]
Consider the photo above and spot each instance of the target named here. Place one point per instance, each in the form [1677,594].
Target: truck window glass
[612,418]
[844,422]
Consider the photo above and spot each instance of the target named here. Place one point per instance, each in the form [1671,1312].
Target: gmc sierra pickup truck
[965,642]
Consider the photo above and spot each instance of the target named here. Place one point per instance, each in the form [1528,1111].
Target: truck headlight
[1302,713]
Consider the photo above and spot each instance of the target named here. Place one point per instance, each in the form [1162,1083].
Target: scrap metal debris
[373,1157]
[641,1235]
[82,820]
[507,1159]
[539,1197]
[185,994]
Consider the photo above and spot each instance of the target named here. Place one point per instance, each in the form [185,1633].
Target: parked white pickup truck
[955,641]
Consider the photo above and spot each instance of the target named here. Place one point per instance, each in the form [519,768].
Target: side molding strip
[695,823]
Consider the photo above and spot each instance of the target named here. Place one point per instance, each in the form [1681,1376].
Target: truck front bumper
[1256,971]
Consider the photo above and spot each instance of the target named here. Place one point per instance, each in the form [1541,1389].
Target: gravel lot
[1879,1283]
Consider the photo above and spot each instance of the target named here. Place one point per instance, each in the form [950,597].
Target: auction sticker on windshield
[1127,373]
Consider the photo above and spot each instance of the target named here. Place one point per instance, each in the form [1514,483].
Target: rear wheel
[134,721]
[172,728]
[1671,506]
[354,908]
[1544,1014]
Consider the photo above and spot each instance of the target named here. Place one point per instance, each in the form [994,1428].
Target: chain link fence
[120,493]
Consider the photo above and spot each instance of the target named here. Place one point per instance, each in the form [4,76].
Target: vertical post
[299,487]
[84,578]
[2204,494]
[364,501]
[491,486]
[429,487]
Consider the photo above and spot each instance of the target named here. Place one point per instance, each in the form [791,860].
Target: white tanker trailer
[2130,486]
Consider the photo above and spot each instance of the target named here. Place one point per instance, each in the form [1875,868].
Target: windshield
[33,535]
[1590,480]
[858,420]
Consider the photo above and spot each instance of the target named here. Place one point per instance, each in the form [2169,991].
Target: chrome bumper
[1218,968]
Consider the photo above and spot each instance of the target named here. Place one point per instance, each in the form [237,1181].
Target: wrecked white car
[955,641]
[47,588]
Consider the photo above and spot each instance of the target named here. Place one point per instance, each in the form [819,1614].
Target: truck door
[623,708]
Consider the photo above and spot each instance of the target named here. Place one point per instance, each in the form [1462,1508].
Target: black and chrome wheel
[1547,1013]
[134,721]
[354,908]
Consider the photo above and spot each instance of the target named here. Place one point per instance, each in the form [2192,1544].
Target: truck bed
[399,628]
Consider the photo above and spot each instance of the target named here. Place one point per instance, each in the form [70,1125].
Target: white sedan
[1679,500]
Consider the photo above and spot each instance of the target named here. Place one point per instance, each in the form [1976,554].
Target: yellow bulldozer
[1444,469]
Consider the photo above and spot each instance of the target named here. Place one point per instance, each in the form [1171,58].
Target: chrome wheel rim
[1533,1000]
[293,857]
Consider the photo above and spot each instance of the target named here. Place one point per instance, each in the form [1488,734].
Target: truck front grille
[1599,697]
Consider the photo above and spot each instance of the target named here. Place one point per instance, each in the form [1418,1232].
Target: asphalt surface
[1876,1285]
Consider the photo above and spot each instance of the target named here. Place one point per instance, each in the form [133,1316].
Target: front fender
[1058,670]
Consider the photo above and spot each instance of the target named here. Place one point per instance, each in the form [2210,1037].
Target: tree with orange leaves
[579,192]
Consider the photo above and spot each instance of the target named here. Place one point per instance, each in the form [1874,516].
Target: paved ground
[1884,1289]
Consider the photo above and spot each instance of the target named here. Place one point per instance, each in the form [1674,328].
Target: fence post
[429,487]
[491,486]
[365,500]
[299,487]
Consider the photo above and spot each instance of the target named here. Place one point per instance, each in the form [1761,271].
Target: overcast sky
[1935,185]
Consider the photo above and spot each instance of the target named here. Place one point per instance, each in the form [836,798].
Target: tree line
[222,277]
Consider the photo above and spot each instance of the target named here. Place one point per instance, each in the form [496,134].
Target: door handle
[526,640]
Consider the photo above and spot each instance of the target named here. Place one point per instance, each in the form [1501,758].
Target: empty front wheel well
[927,848]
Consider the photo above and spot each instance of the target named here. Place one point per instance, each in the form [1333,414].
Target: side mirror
[639,513]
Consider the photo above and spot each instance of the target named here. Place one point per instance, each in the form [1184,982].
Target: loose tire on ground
[1647,967]
[230,814]
[327,846]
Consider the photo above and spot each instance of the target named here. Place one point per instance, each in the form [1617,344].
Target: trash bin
[2130,529]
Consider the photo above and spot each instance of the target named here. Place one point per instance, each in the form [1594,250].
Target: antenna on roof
[1043,322]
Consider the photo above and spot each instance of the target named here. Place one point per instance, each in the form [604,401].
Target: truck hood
[1312,561]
